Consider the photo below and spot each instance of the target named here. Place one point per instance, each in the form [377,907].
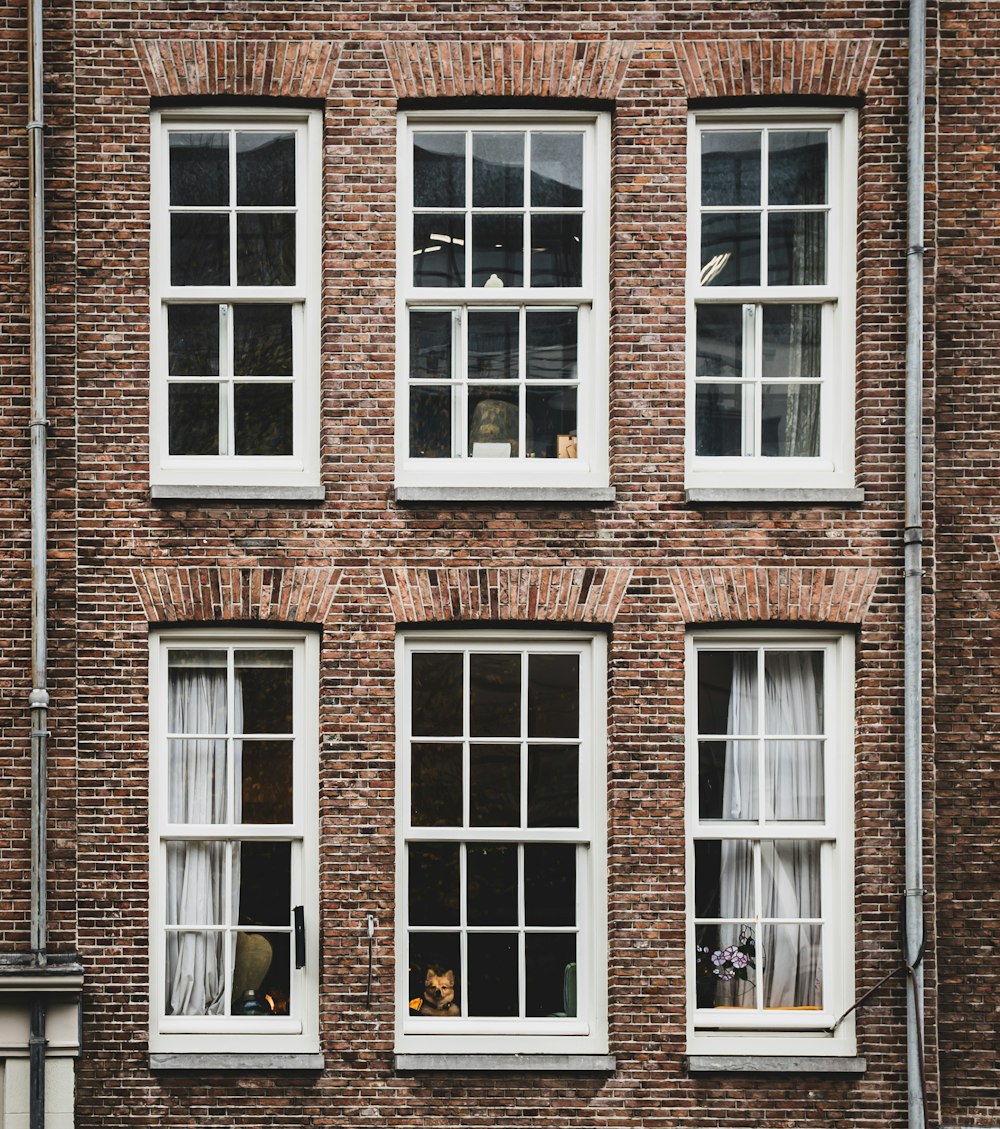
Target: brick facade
[642,569]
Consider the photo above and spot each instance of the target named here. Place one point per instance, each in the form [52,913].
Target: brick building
[486,659]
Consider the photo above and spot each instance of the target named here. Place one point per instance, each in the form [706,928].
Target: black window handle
[299,915]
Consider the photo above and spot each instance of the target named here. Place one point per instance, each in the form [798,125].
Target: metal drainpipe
[39,698]
[913,567]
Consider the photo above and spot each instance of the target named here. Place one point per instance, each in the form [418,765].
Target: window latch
[299,918]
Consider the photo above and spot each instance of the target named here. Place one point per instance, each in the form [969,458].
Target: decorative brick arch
[217,593]
[518,69]
[544,595]
[783,594]
[251,68]
[738,68]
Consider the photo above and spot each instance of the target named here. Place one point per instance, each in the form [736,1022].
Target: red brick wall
[359,563]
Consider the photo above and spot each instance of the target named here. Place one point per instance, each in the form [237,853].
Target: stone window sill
[775,1064]
[238,493]
[790,496]
[587,495]
[596,1064]
[245,1062]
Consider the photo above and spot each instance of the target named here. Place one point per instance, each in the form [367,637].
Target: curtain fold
[787,955]
[196,871]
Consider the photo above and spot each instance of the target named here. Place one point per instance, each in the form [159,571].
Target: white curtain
[787,956]
[196,880]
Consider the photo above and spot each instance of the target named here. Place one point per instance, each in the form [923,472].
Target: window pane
[193,340]
[196,786]
[727,692]
[797,167]
[551,423]
[430,345]
[796,249]
[730,169]
[719,349]
[726,966]
[263,419]
[493,981]
[265,250]
[795,788]
[434,966]
[498,170]
[187,994]
[790,420]
[551,345]
[196,700]
[723,878]
[199,249]
[265,169]
[199,169]
[790,879]
[262,340]
[494,695]
[196,883]
[792,966]
[439,250]
[193,419]
[261,965]
[549,884]
[727,780]
[266,781]
[493,345]
[436,708]
[495,786]
[718,419]
[265,681]
[436,786]
[557,170]
[550,973]
[433,884]
[556,251]
[430,423]
[439,170]
[497,250]
[492,883]
[553,786]
[794,692]
[730,250]
[791,342]
[263,874]
[554,695]
[493,422]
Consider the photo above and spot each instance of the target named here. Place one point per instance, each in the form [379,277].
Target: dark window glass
[495,695]
[498,250]
[430,423]
[730,169]
[265,169]
[433,884]
[797,168]
[193,419]
[551,345]
[436,785]
[550,974]
[266,781]
[720,341]
[493,980]
[430,344]
[493,345]
[554,695]
[199,169]
[557,170]
[439,250]
[262,340]
[263,872]
[549,884]
[439,170]
[491,871]
[199,249]
[436,707]
[796,249]
[262,419]
[193,340]
[553,786]
[265,249]
[498,170]
[730,249]
[718,419]
[265,679]
[495,786]
[556,250]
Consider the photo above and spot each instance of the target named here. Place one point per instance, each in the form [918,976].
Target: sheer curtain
[196,878]
[787,955]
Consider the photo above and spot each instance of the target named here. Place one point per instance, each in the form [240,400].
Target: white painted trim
[834,468]
[200,1035]
[715,1033]
[590,470]
[301,470]
[587,1033]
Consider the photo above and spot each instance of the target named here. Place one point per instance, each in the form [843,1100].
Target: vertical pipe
[913,568]
[39,698]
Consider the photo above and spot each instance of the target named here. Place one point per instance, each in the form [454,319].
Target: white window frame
[786,1032]
[833,469]
[226,475]
[298,1033]
[461,476]
[587,1033]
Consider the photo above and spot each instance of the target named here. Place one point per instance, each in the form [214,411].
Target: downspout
[913,568]
[39,698]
